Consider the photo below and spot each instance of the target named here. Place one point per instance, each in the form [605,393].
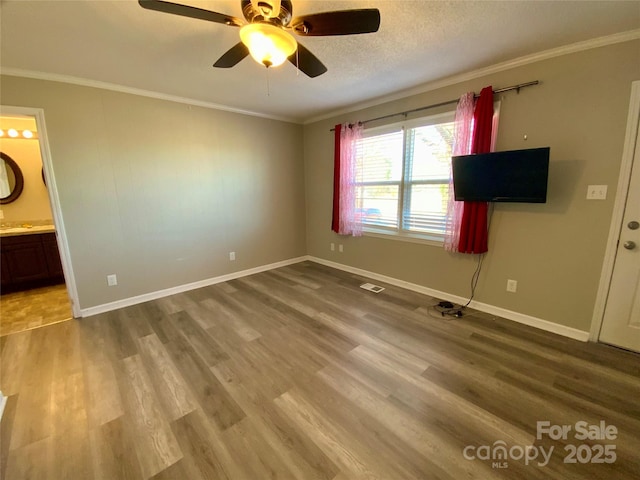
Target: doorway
[26,309]
[617,314]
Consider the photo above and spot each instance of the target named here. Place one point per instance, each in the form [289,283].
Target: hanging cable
[449,309]
[474,279]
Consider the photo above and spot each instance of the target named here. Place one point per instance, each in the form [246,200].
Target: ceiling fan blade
[233,56]
[341,22]
[307,62]
[188,11]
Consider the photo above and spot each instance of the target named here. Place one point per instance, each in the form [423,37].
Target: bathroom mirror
[11,180]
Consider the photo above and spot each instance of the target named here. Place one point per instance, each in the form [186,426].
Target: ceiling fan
[266,34]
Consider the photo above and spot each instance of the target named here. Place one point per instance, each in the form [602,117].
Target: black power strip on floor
[445,305]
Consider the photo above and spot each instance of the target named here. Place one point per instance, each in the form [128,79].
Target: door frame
[631,137]
[54,200]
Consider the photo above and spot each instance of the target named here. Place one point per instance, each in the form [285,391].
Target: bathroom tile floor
[29,309]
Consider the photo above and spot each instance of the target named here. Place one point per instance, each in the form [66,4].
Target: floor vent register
[372,288]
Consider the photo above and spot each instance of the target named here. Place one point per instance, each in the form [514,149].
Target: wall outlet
[340,248]
[512,286]
[597,192]
[112,280]
[332,246]
[232,256]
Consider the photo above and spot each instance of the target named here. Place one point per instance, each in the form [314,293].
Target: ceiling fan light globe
[268,45]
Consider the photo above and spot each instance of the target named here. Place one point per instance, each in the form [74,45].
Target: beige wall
[33,203]
[159,192]
[554,250]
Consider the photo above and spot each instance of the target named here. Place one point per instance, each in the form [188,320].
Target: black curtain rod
[448,102]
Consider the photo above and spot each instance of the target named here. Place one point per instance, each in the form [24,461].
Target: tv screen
[511,176]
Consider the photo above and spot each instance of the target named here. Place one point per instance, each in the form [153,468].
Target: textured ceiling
[120,43]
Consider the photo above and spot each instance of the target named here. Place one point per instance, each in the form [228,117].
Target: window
[403,173]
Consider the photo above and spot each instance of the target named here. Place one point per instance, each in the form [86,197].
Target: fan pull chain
[268,86]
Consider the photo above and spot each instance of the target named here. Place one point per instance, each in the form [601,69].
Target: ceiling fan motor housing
[264,11]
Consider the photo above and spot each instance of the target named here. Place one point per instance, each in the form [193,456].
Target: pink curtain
[473,227]
[462,135]
[344,221]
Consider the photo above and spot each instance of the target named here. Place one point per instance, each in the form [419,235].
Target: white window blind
[403,177]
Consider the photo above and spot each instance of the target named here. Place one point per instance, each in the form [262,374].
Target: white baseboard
[3,403]
[483,307]
[127,302]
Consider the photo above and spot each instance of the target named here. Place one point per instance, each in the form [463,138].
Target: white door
[621,320]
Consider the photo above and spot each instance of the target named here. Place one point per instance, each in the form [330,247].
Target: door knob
[633,225]
[629,245]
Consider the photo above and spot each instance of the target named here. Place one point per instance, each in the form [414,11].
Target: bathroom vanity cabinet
[29,261]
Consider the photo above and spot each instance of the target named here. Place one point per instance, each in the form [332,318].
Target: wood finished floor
[33,308]
[297,373]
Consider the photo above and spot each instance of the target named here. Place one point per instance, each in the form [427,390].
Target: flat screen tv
[511,176]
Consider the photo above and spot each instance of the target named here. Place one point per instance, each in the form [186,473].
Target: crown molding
[472,75]
[424,88]
[84,82]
